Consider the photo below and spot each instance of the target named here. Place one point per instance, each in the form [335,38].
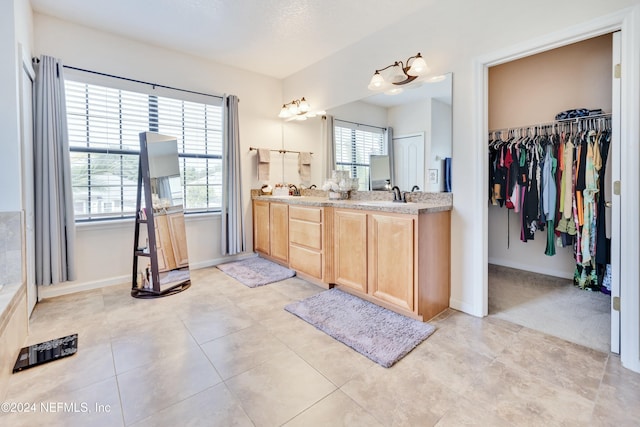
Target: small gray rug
[375,332]
[253,272]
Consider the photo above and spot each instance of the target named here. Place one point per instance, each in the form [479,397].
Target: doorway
[531,274]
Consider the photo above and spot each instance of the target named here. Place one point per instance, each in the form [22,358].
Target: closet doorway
[532,273]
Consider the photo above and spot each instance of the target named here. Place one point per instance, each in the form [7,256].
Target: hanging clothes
[553,176]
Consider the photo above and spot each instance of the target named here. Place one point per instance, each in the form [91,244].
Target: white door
[26,123]
[613,199]
[408,158]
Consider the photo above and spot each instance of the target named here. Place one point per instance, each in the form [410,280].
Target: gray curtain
[54,220]
[233,230]
[328,132]
[388,134]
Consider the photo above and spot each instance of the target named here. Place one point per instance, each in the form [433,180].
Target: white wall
[449,41]
[105,252]
[361,112]
[16,27]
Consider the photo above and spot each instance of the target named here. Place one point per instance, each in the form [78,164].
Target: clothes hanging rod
[153,85]
[281,151]
[555,122]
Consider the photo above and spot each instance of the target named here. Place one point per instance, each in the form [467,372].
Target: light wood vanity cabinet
[261,226]
[350,242]
[271,230]
[399,261]
[305,240]
[391,252]
[396,260]
[279,231]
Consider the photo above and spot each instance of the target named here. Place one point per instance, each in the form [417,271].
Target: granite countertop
[422,203]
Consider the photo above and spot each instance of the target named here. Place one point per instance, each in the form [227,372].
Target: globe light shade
[397,74]
[304,106]
[377,82]
[418,67]
[284,113]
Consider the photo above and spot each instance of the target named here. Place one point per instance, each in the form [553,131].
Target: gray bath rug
[375,332]
[256,271]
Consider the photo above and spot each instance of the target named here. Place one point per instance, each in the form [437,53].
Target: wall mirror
[167,267]
[421,118]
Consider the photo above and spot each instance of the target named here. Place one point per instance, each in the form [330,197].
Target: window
[354,144]
[104,125]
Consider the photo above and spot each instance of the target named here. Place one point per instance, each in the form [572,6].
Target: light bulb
[293,108]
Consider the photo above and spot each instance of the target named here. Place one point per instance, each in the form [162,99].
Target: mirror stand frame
[145,216]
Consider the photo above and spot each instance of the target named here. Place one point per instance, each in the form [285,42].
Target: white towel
[264,157]
[304,166]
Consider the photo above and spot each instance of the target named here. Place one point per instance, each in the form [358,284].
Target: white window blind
[104,126]
[354,144]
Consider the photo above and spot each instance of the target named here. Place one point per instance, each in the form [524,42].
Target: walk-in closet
[552,173]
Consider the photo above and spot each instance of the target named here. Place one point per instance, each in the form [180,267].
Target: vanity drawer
[306,261]
[305,214]
[305,233]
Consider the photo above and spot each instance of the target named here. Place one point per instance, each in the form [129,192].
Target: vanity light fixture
[298,109]
[397,74]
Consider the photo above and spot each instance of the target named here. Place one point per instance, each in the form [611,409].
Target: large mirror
[168,213]
[421,119]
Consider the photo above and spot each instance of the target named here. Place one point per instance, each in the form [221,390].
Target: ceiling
[272,37]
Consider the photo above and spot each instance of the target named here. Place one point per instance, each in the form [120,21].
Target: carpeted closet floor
[551,305]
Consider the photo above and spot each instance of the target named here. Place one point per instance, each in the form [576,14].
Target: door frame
[26,67]
[627,21]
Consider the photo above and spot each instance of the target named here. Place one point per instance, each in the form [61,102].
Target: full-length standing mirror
[380,172]
[160,207]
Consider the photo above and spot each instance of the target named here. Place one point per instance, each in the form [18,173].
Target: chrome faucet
[415,188]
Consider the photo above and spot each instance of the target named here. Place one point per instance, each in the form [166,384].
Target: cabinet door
[179,239]
[261,226]
[350,240]
[391,255]
[279,231]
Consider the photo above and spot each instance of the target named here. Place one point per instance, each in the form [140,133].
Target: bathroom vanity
[396,255]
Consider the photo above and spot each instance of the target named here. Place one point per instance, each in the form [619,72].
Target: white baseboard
[463,307]
[531,268]
[73,287]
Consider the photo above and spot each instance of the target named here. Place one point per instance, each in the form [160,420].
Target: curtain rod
[281,151]
[359,124]
[556,122]
[153,85]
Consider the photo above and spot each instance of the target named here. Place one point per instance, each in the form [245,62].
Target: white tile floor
[222,354]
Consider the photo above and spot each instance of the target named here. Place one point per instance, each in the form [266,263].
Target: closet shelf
[554,122]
